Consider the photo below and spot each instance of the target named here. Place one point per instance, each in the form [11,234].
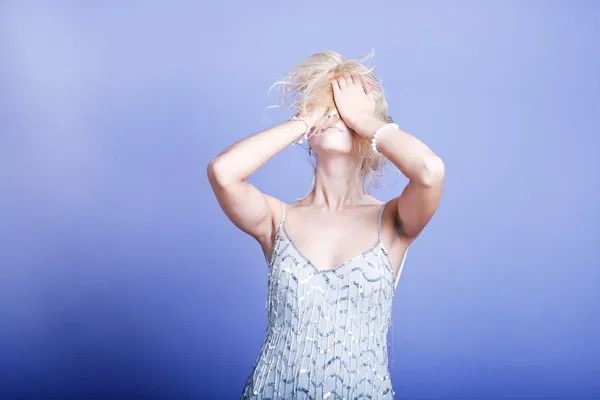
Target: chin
[334,140]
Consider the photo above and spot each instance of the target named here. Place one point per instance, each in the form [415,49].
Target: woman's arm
[247,207]
[425,170]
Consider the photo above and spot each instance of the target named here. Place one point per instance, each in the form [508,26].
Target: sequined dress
[326,330]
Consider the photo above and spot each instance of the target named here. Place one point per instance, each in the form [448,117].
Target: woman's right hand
[318,118]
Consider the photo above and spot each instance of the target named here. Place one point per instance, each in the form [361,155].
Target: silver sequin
[326,330]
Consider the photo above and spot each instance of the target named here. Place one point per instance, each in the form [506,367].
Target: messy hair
[308,85]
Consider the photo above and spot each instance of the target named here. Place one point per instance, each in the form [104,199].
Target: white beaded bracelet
[305,135]
[377,133]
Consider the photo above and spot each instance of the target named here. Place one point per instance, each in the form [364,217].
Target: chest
[328,244]
[362,282]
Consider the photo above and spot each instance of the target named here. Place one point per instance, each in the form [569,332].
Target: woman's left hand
[352,100]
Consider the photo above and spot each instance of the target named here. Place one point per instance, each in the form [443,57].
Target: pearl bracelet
[377,133]
[305,135]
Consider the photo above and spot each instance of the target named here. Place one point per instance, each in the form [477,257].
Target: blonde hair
[308,85]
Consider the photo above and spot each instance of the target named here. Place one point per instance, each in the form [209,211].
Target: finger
[335,85]
[348,79]
[371,95]
[356,79]
[341,82]
[369,89]
[364,85]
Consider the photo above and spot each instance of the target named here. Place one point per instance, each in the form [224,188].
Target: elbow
[216,173]
[432,172]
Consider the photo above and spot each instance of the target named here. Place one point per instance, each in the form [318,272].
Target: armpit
[398,225]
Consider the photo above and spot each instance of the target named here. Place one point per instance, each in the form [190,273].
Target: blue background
[120,276]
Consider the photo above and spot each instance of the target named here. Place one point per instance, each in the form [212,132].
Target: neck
[337,182]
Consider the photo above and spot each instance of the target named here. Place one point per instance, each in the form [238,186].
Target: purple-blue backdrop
[120,277]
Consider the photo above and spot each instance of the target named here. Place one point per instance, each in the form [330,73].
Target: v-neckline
[324,271]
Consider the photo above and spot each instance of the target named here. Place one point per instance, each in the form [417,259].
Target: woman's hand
[317,118]
[352,100]
[311,116]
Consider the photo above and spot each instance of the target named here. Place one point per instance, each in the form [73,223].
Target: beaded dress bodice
[327,330]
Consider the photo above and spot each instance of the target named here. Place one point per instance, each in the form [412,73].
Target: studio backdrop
[120,276]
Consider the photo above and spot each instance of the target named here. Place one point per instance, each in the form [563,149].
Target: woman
[334,256]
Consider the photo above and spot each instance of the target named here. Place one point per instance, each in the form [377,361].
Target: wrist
[366,126]
[304,125]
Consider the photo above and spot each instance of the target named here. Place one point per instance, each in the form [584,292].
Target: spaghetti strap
[282,213]
[379,221]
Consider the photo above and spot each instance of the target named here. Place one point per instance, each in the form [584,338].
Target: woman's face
[339,138]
